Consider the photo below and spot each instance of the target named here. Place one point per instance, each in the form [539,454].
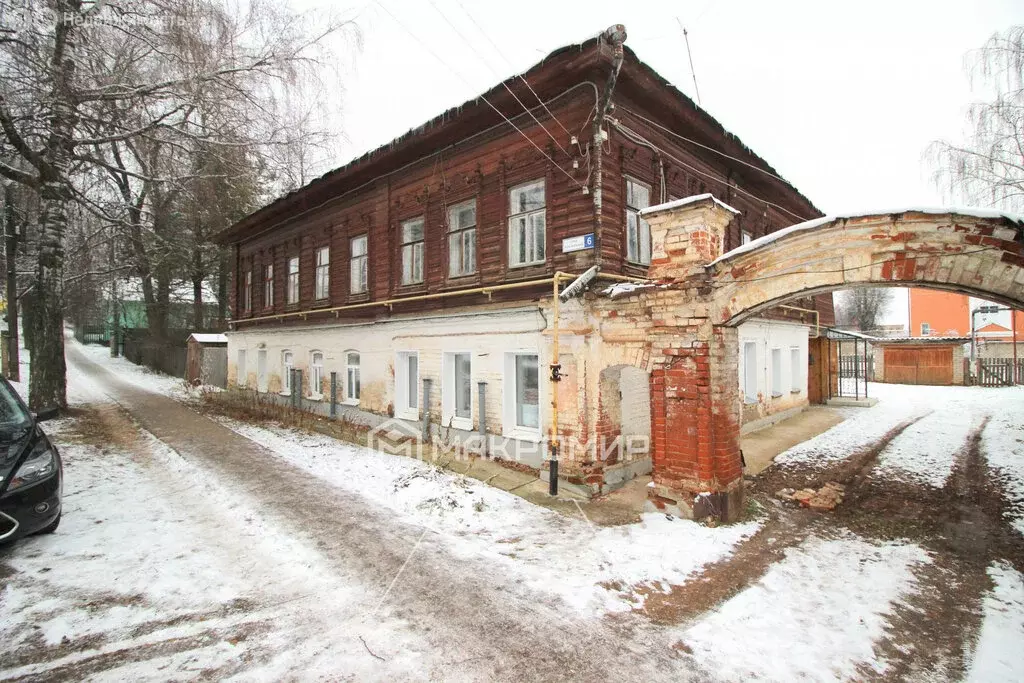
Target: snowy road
[215,549]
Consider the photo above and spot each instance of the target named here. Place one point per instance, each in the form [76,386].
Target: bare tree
[82,82]
[987,168]
[863,308]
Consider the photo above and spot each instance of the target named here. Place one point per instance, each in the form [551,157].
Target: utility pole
[13,371]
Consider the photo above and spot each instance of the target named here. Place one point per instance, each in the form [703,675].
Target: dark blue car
[31,472]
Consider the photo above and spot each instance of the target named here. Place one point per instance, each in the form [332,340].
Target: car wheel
[51,527]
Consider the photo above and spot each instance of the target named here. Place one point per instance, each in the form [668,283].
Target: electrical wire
[503,82]
[357,188]
[701,145]
[482,97]
[639,139]
[512,66]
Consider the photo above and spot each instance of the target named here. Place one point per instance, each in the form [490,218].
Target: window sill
[524,434]
[321,303]
[354,402]
[749,401]
[776,394]
[532,264]
[796,391]
[407,414]
[285,393]
[315,397]
[463,423]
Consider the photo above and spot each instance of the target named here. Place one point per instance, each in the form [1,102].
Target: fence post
[425,408]
[334,395]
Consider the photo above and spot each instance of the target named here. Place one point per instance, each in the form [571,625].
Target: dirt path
[468,610]
[963,527]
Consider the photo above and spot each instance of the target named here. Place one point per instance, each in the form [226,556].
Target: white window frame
[240,369]
[357,264]
[464,262]
[268,285]
[510,426]
[530,236]
[638,238]
[261,370]
[316,375]
[775,355]
[291,296]
[322,285]
[449,391]
[796,362]
[352,372]
[406,408]
[746,237]
[413,252]
[247,294]
[750,373]
[926,330]
[287,364]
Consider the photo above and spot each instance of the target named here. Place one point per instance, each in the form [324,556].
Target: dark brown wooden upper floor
[421,195]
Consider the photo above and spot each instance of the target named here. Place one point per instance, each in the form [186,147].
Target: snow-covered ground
[814,616]
[155,550]
[553,552]
[997,656]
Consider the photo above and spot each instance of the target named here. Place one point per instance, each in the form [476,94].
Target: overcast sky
[842,99]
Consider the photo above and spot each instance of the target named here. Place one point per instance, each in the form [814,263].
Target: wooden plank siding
[482,159]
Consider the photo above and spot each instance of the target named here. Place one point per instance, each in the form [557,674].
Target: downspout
[616,35]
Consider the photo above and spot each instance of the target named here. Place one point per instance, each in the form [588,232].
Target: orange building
[935,313]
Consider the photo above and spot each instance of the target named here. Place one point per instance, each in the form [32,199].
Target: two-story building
[422,273]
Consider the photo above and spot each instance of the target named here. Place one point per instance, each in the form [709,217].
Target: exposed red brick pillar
[695,409]
[695,429]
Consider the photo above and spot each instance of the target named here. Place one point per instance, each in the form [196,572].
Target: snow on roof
[676,203]
[208,338]
[811,224]
[916,340]
[852,333]
[620,289]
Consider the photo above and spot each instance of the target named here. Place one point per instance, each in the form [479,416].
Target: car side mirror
[47,414]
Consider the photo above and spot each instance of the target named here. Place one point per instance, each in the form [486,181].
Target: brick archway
[979,253]
[688,322]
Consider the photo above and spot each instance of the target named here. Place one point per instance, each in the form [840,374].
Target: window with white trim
[316,374]
[746,237]
[407,381]
[457,389]
[796,369]
[412,251]
[750,372]
[462,239]
[522,395]
[926,329]
[357,265]
[292,293]
[268,286]
[247,294]
[526,224]
[323,272]
[776,372]
[638,231]
[352,377]
[287,365]
[240,371]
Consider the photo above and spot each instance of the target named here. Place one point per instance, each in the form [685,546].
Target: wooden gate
[919,364]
